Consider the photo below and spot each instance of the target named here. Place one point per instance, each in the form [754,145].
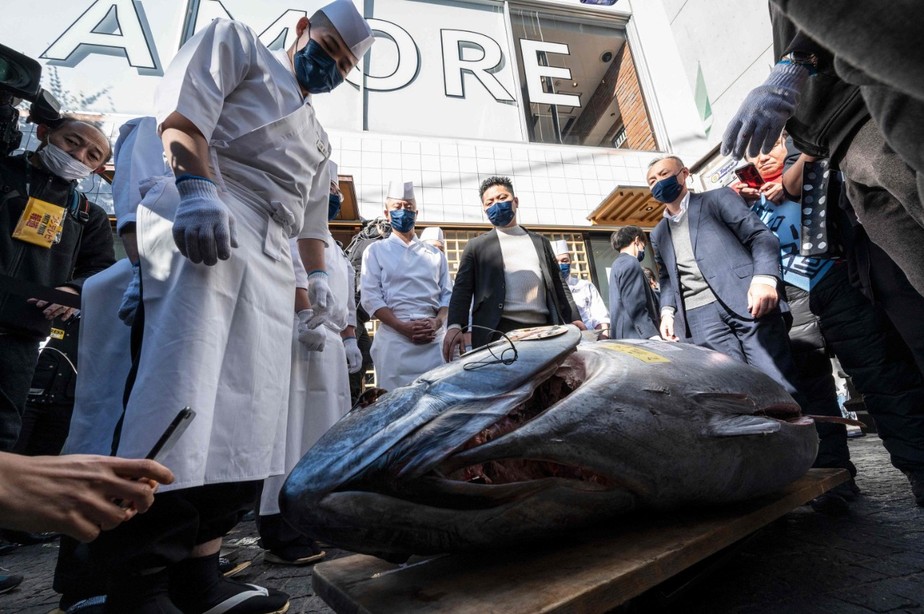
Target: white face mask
[60,163]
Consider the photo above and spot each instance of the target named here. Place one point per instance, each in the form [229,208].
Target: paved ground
[869,561]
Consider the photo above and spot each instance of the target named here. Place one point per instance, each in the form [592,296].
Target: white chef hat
[432,233]
[332,167]
[560,247]
[350,24]
[401,190]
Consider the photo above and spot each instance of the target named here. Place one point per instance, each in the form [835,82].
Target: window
[579,84]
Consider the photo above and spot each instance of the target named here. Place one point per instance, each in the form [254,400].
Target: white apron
[319,388]
[104,357]
[398,361]
[212,334]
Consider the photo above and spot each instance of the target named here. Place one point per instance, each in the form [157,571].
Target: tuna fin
[738,426]
[726,402]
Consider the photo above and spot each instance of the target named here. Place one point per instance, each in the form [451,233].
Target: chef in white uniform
[319,393]
[405,284]
[246,148]
[593,310]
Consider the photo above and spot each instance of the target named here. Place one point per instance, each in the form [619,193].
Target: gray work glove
[203,228]
[353,356]
[131,298]
[320,297]
[763,114]
[311,338]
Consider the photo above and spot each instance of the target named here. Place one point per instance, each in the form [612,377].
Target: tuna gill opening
[569,376]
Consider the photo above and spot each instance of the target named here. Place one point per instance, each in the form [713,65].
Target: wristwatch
[802,58]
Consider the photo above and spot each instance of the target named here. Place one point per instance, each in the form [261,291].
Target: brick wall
[631,104]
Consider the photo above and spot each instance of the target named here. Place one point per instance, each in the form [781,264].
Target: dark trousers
[178,521]
[44,428]
[875,358]
[18,355]
[762,343]
[357,380]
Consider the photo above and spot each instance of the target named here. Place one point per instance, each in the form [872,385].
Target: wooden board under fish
[591,571]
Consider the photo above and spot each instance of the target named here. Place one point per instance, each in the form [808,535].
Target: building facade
[570,100]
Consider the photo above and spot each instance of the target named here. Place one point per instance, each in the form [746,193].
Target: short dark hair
[624,237]
[67,120]
[669,157]
[493,181]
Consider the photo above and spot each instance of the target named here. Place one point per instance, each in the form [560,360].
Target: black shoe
[24,538]
[196,587]
[917,485]
[847,490]
[91,605]
[7,547]
[8,582]
[830,504]
[228,568]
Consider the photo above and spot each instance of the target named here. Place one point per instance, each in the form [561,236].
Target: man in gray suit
[720,271]
[633,308]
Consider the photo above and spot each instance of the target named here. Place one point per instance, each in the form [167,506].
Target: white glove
[320,297]
[353,355]
[203,228]
[312,338]
[132,297]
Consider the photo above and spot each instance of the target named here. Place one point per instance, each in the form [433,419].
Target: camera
[20,79]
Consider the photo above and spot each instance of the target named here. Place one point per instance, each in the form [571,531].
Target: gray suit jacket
[731,245]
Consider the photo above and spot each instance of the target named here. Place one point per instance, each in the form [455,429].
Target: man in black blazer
[633,308]
[508,278]
[720,271]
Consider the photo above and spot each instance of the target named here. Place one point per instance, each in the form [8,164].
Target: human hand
[773,191]
[454,340]
[580,324]
[53,310]
[75,494]
[203,228]
[312,338]
[762,299]
[354,357]
[746,192]
[132,297]
[667,327]
[422,330]
[761,117]
[319,295]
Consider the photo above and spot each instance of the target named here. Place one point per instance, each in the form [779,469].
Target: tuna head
[492,450]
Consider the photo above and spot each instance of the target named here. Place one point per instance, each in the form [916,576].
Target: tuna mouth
[502,471]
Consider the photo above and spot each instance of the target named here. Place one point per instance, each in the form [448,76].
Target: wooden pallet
[592,571]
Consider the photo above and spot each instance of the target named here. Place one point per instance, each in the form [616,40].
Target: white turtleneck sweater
[525,293]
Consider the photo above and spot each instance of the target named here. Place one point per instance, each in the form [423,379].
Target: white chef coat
[319,387]
[411,279]
[211,334]
[589,303]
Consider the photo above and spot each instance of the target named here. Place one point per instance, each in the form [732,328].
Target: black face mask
[333,206]
[315,70]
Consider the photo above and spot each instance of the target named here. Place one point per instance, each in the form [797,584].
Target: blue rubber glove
[763,114]
[353,356]
[132,297]
[203,228]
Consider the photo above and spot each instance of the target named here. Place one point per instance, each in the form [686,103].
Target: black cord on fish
[505,357]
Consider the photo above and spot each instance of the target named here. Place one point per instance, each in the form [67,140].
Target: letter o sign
[400,49]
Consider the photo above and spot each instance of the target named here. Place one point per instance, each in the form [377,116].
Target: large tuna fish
[509,445]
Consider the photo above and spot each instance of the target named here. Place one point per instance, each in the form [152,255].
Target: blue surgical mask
[402,220]
[315,70]
[501,214]
[333,206]
[564,268]
[640,255]
[667,190]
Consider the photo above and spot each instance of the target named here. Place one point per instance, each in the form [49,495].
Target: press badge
[41,223]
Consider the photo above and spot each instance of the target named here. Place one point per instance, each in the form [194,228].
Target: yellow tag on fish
[57,333]
[40,223]
[634,351]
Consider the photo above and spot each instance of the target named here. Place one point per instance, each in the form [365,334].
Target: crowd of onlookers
[236,300]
